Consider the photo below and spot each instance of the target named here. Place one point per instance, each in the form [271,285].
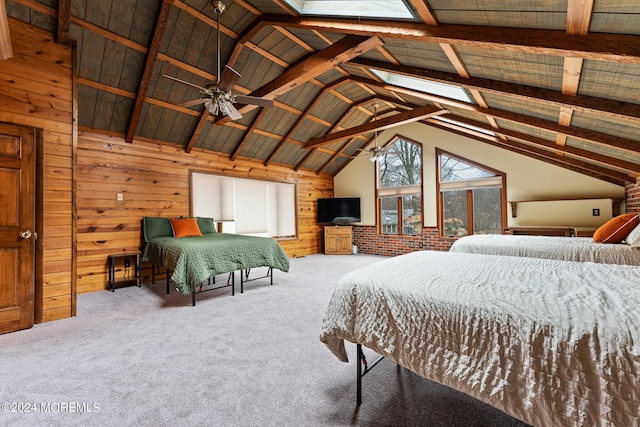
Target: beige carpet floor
[140,357]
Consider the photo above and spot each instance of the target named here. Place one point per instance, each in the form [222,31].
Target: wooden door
[17,227]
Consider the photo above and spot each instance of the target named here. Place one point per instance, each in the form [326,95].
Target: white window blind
[247,206]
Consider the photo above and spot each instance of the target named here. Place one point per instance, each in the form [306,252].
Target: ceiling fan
[376,152]
[216,96]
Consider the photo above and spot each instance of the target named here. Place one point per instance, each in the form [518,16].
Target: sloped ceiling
[557,81]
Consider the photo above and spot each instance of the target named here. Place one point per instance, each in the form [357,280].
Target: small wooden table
[130,262]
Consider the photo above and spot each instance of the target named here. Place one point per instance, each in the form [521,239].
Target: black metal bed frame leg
[233,283]
[241,281]
[270,273]
[359,374]
[362,361]
[193,298]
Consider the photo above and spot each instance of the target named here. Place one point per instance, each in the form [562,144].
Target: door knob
[26,234]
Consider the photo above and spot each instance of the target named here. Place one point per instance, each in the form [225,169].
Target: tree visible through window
[400,188]
[471,199]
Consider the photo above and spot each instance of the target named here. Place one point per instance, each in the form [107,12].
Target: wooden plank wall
[36,91]
[154,180]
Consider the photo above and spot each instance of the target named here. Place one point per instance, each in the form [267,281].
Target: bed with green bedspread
[193,260]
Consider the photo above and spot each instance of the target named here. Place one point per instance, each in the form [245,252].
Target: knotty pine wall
[36,90]
[154,179]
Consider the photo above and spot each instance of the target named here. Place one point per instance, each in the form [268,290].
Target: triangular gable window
[455,170]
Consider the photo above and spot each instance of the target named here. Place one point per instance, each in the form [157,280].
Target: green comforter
[195,259]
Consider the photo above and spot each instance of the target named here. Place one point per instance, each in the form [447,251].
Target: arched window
[399,188]
[471,197]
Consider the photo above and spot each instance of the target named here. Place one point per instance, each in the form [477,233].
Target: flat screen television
[339,210]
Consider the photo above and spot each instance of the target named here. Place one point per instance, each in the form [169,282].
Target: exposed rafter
[342,51]
[597,46]
[534,122]
[566,90]
[633,168]
[161,24]
[606,107]
[538,153]
[381,124]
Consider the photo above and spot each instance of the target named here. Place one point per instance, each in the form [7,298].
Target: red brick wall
[370,242]
[633,196]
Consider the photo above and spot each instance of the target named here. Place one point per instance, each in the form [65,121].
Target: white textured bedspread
[563,248]
[553,343]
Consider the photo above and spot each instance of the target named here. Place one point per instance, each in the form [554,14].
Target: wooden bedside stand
[127,260]
[337,240]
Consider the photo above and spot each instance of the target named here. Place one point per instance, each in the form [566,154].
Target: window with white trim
[399,188]
[470,197]
[245,206]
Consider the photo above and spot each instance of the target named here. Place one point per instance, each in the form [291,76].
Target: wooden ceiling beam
[248,134]
[297,40]
[316,64]
[623,48]
[186,67]
[578,22]
[109,35]
[424,12]
[564,120]
[6,50]
[539,154]
[204,116]
[64,19]
[106,88]
[584,134]
[339,153]
[154,48]
[244,38]
[39,7]
[607,161]
[579,16]
[344,146]
[285,6]
[322,37]
[606,107]
[302,117]
[455,59]
[341,51]
[335,127]
[380,124]
[248,6]
[204,18]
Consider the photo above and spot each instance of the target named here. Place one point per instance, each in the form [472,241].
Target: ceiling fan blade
[254,100]
[184,83]
[234,114]
[193,102]
[228,79]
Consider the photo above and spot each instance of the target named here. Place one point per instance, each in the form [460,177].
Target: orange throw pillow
[185,227]
[616,229]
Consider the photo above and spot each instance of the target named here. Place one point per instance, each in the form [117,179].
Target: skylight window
[385,9]
[414,83]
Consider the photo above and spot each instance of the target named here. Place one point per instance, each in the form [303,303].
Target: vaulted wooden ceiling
[554,80]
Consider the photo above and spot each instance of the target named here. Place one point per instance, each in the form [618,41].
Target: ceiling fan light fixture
[212,106]
[224,107]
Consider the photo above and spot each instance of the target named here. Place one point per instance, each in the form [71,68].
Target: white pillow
[633,238]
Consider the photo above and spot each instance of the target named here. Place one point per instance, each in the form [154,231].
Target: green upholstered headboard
[158,226]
